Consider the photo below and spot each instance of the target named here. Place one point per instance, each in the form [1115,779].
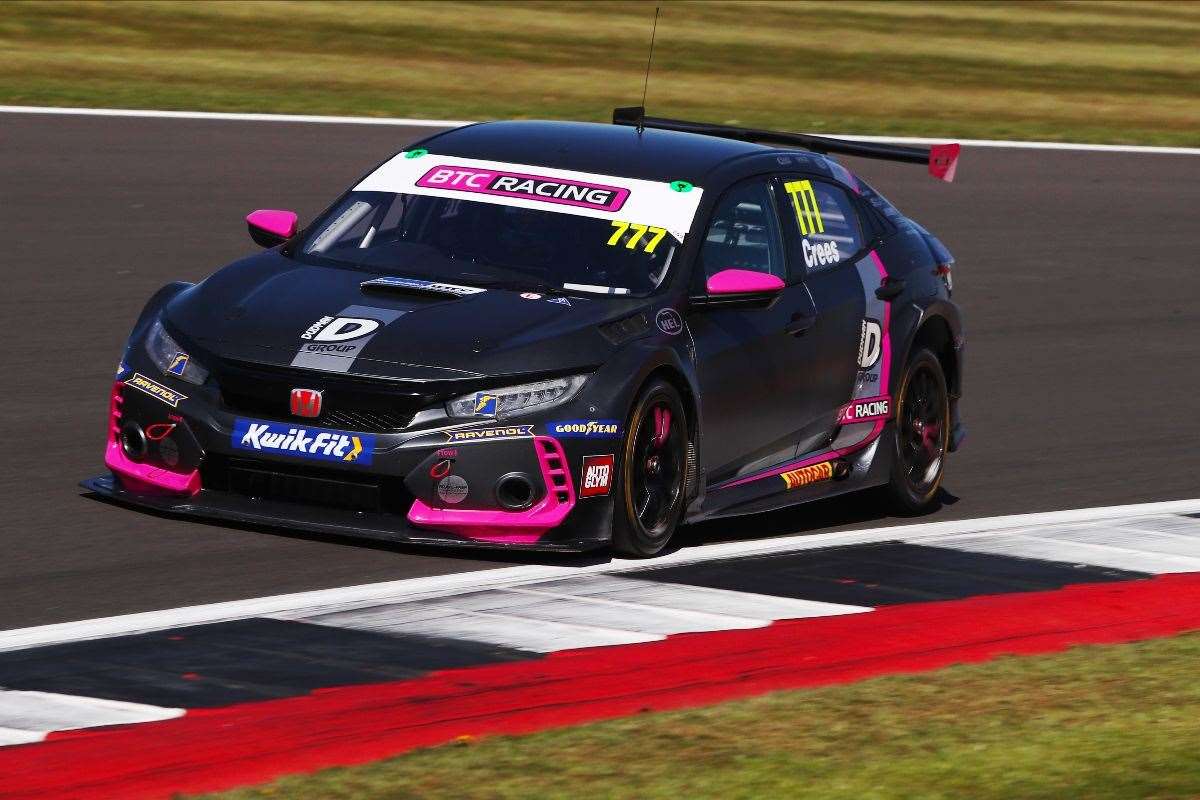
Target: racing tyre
[650,500]
[922,433]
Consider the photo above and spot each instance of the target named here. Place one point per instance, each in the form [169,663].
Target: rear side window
[744,233]
[823,222]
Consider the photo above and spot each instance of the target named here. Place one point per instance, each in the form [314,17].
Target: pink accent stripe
[514,527]
[841,451]
[137,477]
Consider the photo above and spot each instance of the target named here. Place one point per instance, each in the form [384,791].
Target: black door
[759,368]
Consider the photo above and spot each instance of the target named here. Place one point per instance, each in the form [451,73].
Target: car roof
[654,155]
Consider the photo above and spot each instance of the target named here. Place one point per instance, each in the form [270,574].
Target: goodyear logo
[804,203]
[806,475]
[485,405]
[586,428]
[318,444]
[485,434]
[155,390]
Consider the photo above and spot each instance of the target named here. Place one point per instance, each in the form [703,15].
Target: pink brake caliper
[662,425]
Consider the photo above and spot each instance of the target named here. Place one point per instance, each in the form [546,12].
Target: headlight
[516,399]
[169,357]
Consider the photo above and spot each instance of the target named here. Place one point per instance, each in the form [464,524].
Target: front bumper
[229,507]
[438,484]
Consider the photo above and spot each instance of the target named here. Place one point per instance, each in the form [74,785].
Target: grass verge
[1103,72]
[1115,721]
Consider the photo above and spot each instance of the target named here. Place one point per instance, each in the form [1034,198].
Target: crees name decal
[562,191]
[319,444]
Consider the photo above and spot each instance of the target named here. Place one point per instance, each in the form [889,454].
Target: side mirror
[269,228]
[740,287]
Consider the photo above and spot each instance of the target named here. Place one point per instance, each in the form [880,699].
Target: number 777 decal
[639,230]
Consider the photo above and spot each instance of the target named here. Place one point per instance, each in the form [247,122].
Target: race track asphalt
[1077,272]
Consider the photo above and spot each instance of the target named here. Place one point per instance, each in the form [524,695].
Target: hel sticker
[639,231]
[804,203]
[485,405]
[586,428]
[155,390]
[178,364]
[596,480]
[864,410]
[806,475]
[531,187]
[669,321]
[487,434]
[319,444]
[452,489]
[870,343]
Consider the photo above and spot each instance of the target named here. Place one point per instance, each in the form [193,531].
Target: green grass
[1106,72]
[1117,721]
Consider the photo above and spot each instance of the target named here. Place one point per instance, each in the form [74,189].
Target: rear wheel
[922,433]
[653,472]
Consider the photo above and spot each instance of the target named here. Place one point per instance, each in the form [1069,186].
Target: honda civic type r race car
[554,336]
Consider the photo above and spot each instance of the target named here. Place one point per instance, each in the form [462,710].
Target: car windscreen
[449,218]
[488,244]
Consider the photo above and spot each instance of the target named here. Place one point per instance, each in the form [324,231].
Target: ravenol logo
[178,364]
[485,405]
[804,202]
[586,428]
[309,443]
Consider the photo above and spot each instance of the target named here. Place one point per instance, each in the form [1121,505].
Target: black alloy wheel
[922,433]
[650,499]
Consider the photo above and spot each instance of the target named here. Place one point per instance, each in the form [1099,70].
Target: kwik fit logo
[308,443]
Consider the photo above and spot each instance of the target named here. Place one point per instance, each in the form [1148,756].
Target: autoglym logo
[306,402]
[870,343]
[804,203]
[597,475]
[308,443]
[806,475]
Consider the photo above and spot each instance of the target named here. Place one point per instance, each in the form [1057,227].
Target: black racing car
[557,336]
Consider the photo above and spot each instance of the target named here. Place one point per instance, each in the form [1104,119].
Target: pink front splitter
[514,527]
[139,477]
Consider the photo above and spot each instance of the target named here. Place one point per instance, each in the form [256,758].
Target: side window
[822,223]
[744,232]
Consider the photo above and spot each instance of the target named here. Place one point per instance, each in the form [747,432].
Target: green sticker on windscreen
[416,153]
[680,186]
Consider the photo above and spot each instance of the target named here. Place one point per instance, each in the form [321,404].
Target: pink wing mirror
[744,281]
[269,228]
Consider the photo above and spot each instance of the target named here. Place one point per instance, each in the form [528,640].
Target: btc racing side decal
[863,410]
[597,475]
[332,343]
[586,428]
[320,444]
[155,390]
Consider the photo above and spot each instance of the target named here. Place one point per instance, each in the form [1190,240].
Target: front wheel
[922,433]
[653,472]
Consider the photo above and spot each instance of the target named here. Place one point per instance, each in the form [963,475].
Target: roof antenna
[645,86]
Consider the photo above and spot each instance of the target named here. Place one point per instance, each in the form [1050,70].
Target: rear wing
[942,159]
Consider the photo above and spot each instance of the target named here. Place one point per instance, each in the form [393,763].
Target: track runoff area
[213,696]
[216,696]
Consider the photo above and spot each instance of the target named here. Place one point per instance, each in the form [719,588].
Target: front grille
[288,483]
[347,403]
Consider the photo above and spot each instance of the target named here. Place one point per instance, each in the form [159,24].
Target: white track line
[325,601]
[452,123]
[28,716]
